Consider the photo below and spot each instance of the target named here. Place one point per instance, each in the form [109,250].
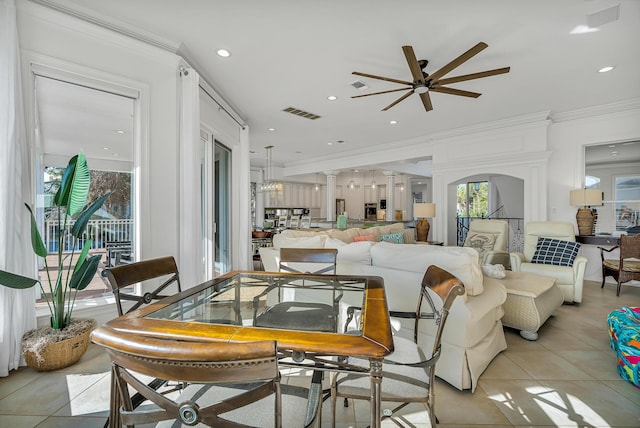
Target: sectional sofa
[473,335]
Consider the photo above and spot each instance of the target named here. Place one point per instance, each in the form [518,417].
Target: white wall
[59,40]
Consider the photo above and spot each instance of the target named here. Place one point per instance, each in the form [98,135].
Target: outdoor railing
[101,231]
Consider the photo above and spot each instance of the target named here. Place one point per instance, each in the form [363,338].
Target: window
[473,199]
[627,202]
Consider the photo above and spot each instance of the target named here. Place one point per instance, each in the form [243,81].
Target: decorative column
[331,195]
[391,195]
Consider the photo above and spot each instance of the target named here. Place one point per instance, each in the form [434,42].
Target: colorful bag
[624,336]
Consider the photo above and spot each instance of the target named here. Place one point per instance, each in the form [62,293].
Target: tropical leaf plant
[71,201]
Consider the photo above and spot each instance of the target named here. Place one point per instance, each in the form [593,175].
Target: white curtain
[17,307]
[190,260]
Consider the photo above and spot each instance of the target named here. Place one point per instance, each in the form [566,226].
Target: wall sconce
[585,217]
[422,211]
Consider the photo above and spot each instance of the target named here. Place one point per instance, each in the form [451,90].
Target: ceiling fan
[423,83]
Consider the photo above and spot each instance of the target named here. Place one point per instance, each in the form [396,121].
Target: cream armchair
[569,272]
[489,238]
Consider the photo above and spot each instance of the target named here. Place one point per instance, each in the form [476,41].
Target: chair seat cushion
[299,316]
[629,265]
[555,252]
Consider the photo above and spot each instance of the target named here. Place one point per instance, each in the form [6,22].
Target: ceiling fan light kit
[423,83]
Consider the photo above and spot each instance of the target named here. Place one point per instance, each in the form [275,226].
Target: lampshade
[585,197]
[424,210]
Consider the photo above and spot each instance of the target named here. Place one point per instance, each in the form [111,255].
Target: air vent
[301,113]
[359,85]
[604,16]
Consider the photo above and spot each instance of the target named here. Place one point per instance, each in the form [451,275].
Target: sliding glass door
[216,206]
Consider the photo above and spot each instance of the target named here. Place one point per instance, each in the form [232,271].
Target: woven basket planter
[45,349]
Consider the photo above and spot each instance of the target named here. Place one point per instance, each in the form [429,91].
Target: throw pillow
[364,238]
[481,242]
[396,238]
[557,252]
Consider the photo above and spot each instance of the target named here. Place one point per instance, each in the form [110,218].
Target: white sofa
[473,335]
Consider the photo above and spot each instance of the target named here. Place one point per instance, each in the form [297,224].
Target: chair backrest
[499,228]
[251,363]
[282,221]
[629,246]
[133,273]
[547,229]
[305,222]
[447,287]
[294,222]
[303,260]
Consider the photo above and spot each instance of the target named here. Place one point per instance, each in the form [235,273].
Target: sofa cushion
[394,238]
[364,238]
[346,235]
[357,252]
[557,252]
[481,242]
[461,262]
[409,235]
[303,242]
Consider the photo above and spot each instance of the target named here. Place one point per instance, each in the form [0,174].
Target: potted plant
[65,340]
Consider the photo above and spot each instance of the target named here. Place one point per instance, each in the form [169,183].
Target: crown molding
[109,23]
[583,113]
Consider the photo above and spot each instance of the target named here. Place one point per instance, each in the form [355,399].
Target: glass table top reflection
[287,301]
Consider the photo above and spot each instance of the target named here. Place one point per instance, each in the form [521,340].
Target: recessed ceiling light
[106,148]
[332,98]
[393,122]
[116,154]
[605,69]
[340,141]
[272,129]
[224,53]
[119,131]
[330,143]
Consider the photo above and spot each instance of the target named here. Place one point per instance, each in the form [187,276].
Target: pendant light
[317,186]
[373,179]
[352,183]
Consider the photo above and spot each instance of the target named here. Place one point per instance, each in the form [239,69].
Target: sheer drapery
[190,197]
[17,307]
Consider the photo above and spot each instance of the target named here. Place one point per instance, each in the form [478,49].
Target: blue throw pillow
[396,238]
[555,252]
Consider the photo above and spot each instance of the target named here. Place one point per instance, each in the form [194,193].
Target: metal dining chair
[231,384]
[119,277]
[409,372]
[304,315]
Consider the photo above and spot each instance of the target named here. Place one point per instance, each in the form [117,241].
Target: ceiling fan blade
[378,93]
[398,100]
[472,76]
[458,61]
[388,79]
[426,101]
[452,91]
[416,71]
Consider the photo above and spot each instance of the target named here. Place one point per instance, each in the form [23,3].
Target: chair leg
[619,286]
[604,275]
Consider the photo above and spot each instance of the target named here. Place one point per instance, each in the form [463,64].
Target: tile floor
[566,378]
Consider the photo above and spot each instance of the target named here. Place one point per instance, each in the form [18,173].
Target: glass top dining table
[233,307]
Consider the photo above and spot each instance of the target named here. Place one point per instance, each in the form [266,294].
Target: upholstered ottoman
[531,299]
[624,334]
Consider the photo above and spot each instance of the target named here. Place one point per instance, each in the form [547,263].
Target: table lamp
[422,211]
[585,216]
